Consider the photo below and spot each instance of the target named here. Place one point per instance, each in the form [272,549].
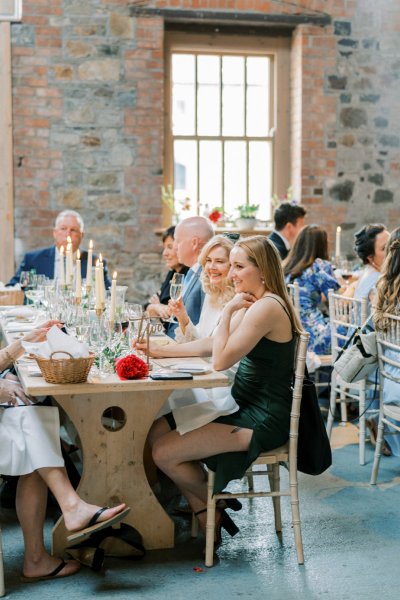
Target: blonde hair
[220,294]
[263,254]
[388,286]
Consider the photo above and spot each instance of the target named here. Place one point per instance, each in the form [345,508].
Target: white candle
[89,265]
[69,260]
[78,288]
[61,274]
[97,283]
[102,295]
[337,247]
[113,296]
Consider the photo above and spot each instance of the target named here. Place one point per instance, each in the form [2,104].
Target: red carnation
[215,215]
[131,367]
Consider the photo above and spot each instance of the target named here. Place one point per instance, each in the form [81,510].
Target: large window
[223,123]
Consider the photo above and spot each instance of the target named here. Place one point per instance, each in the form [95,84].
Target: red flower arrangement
[131,367]
[216,214]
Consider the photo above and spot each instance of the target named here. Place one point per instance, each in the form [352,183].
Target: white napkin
[15,326]
[20,311]
[57,341]
[9,288]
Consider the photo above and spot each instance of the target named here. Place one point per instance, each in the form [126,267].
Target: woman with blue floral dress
[308,264]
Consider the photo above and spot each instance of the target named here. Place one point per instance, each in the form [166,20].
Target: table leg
[113,469]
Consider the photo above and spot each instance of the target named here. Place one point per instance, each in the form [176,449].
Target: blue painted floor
[351,536]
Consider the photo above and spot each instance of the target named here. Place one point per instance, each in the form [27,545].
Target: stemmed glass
[175,291]
[98,340]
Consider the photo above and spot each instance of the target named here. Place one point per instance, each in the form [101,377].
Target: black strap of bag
[314,454]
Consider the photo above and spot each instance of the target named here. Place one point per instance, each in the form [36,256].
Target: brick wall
[88,119]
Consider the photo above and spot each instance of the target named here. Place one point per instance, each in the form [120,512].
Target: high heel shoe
[232,503]
[224,522]
[91,557]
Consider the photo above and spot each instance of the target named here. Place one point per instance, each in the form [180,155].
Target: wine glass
[175,291]
[24,279]
[98,340]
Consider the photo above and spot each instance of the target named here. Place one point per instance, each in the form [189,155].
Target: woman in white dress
[30,448]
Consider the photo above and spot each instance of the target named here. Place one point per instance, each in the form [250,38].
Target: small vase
[246,222]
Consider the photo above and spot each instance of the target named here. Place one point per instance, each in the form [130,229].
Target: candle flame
[115,275]
[78,255]
[338,229]
[69,239]
[91,244]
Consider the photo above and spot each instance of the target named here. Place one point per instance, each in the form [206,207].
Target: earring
[262,281]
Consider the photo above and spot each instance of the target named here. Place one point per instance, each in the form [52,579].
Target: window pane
[210,174]
[233,95]
[260,177]
[185,176]
[235,176]
[257,118]
[208,97]
[208,109]
[183,68]
[208,69]
[183,109]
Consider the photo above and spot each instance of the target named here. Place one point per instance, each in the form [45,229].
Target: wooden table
[113,469]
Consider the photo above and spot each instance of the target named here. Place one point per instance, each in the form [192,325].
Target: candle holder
[99,312]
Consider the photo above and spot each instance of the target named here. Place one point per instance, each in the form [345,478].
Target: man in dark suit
[46,260]
[289,220]
[191,235]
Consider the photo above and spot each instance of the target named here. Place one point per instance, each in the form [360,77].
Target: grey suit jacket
[193,299]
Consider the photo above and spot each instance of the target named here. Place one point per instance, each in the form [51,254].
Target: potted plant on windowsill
[247,216]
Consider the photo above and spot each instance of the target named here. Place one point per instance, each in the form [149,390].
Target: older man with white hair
[190,236]
[46,261]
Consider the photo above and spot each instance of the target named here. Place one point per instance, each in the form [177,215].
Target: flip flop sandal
[94,525]
[53,575]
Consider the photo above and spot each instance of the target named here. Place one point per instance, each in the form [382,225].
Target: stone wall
[88,118]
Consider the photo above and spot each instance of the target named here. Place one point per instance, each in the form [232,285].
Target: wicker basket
[65,370]
[11,297]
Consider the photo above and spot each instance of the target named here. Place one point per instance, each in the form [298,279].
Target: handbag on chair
[314,453]
[359,356]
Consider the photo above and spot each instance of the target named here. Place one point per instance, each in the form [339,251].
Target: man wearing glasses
[46,261]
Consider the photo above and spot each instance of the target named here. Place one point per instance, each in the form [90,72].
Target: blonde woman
[259,327]
[387,300]
[218,288]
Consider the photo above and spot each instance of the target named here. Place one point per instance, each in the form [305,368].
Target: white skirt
[29,439]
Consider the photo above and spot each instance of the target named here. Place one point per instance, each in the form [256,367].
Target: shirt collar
[287,245]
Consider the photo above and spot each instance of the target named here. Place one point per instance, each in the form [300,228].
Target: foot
[79,517]
[373,435]
[46,565]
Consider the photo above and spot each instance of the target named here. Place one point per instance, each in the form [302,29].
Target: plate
[193,368]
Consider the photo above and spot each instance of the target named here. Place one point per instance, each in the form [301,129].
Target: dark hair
[311,243]
[365,240]
[170,232]
[288,212]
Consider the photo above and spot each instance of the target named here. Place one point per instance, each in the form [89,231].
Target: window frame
[278,48]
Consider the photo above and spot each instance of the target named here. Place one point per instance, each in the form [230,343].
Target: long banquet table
[113,460]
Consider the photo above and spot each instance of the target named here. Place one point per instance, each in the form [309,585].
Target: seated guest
[158,305]
[191,235]
[218,289]
[386,300]
[259,327]
[289,220]
[30,449]
[370,245]
[308,264]
[191,407]
[46,260]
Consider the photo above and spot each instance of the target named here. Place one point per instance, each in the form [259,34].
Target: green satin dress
[262,388]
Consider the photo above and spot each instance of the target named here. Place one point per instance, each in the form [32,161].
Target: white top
[209,319]
[194,408]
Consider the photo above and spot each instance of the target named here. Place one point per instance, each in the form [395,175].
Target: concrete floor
[351,543]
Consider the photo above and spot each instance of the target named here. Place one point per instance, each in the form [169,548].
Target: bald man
[190,236]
